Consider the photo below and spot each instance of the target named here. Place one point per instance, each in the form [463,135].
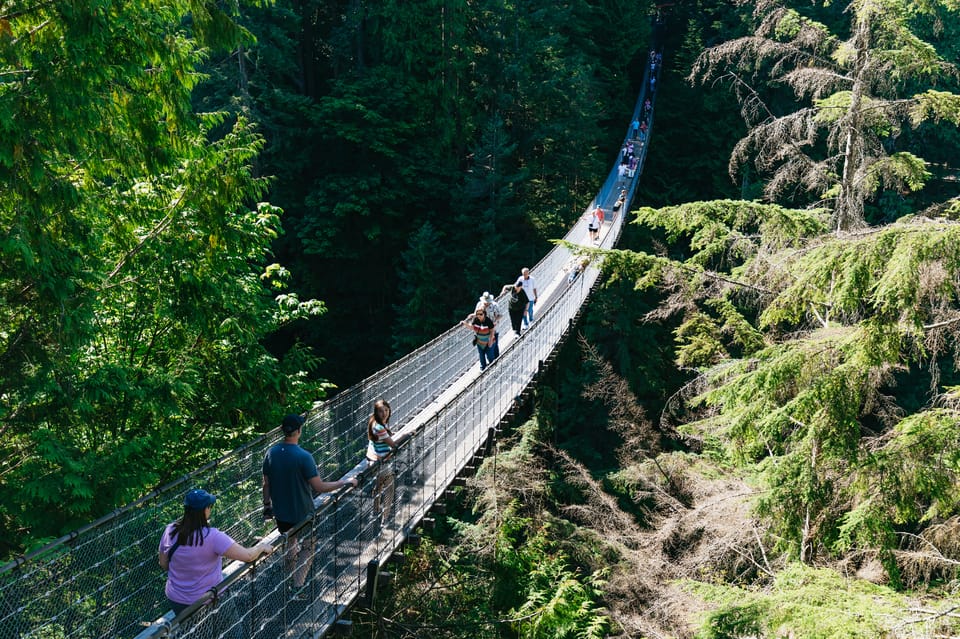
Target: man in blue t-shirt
[289,479]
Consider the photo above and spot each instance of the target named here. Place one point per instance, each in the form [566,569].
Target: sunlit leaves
[862,88]
[133,241]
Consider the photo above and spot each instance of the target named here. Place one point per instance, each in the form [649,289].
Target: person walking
[517,306]
[192,552]
[619,203]
[380,448]
[530,288]
[484,335]
[593,224]
[489,304]
[290,477]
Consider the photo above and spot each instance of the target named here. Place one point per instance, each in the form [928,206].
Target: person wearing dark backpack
[517,305]
[192,552]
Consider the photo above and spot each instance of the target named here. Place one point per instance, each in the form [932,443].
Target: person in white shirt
[593,226]
[530,288]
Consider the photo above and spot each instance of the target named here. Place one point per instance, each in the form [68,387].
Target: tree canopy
[862,89]
[135,279]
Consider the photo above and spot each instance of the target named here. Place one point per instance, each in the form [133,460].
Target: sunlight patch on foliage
[814,604]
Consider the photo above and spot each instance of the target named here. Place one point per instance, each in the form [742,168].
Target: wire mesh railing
[103,581]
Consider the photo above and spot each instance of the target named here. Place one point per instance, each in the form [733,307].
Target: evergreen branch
[717,276]
[32,31]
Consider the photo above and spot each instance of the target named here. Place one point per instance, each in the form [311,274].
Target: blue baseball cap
[198,499]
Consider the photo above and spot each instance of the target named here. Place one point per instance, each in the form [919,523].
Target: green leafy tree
[134,276]
[862,91]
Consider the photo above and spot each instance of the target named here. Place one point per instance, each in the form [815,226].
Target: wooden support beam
[373,571]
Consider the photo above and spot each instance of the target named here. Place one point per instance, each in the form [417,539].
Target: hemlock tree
[861,91]
[135,290]
[826,365]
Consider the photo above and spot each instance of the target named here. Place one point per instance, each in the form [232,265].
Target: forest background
[158,313]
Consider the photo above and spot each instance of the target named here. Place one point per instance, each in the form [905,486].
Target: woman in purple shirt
[191,551]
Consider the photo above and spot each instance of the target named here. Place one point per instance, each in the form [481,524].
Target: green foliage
[560,604]
[135,237]
[799,335]
[843,147]
[936,105]
[811,603]
[481,120]
[910,477]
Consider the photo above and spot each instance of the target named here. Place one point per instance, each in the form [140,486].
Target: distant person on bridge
[517,306]
[619,203]
[576,266]
[634,128]
[530,288]
[489,304]
[290,477]
[192,552]
[593,225]
[380,446]
[485,337]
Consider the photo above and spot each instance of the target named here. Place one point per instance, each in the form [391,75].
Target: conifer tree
[860,92]
[810,351]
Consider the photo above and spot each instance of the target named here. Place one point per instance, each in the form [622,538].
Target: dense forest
[219,212]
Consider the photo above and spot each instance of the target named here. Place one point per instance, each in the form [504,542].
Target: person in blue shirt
[290,478]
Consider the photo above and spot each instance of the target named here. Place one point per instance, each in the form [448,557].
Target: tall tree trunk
[850,202]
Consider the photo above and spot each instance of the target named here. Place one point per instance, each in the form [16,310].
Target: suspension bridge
[103,582]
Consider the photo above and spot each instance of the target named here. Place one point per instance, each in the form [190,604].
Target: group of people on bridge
[487,313]
[191,550]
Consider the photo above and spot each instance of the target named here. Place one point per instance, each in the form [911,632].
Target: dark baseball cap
[291,423]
